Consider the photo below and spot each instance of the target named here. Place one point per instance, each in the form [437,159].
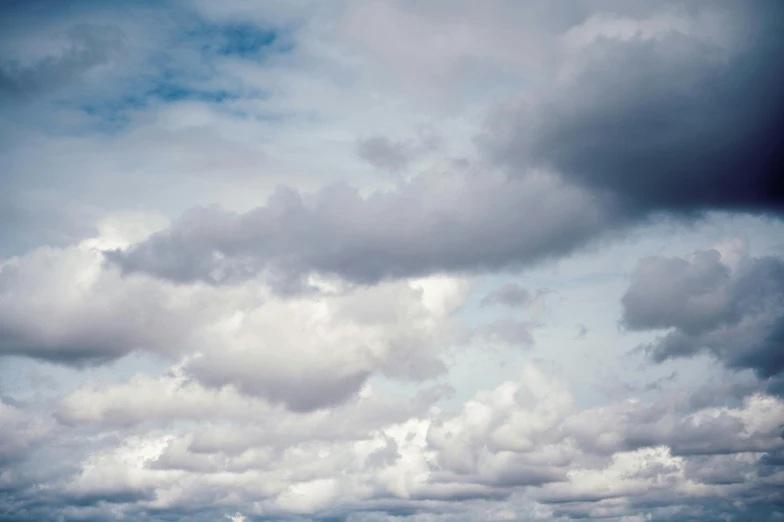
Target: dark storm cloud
[433,223]
[676,123]
[736,314]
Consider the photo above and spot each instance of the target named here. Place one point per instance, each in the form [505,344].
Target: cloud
[628,97]
[402,455]
[59,304]
[383,153]
[734,313]
[85,47]
[394,156]
[419,228]
[582,332]
[65,305]
[677,112]
[21,433]
[511,295]
[145,399]
[504,330]
[315,351]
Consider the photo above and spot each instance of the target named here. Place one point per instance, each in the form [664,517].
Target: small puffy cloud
[380,152]
[394,156]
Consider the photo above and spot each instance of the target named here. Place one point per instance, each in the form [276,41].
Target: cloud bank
[378,260]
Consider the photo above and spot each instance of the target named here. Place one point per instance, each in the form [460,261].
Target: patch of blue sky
[173,92]
[243,40]
[189,69]
[18,375]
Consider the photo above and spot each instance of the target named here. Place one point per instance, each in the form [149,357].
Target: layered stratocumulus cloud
[389,260]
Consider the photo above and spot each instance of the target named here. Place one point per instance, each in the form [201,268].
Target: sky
[392,260]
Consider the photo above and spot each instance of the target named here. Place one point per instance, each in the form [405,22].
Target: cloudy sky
[392,260]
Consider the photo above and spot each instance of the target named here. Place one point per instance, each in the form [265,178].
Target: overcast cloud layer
[384,260]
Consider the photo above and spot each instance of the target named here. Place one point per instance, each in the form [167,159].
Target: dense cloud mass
[667,113]
[244,337]
[664,113]
[384,260]
[418,229]
[522,434]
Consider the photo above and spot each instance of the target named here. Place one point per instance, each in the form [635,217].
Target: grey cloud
[65,306]
[505,330]
[675,122]
[679,121]
[53,309]
[519,439]
[385,456]
[736,314]
[381,152]
[511,295]
[309,392]
[422,227]
[88,46]
[21,433]
[720,469]
[394,156]
[705,432]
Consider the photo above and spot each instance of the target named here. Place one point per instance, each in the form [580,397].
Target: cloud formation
[420,228]
[735,313]
[639,116]
[378,260]
[85,47]
[664,112]
[524,435]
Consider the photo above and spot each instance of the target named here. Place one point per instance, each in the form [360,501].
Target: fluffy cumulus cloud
[66,305]
[383,260]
